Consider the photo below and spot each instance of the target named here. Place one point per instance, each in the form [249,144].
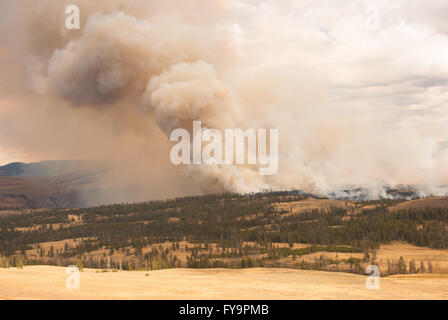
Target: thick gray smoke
[136,70]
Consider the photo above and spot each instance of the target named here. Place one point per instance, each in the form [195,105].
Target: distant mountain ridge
[48,168]
[47,184]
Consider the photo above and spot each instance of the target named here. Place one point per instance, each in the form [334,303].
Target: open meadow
[47,282]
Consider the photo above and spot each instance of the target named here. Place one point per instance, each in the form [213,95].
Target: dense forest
[218,229]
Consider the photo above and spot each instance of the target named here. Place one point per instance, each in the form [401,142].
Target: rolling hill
[46,184]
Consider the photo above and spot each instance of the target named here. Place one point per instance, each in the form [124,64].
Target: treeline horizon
[227,220]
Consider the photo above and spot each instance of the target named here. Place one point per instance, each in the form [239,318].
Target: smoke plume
[114,90]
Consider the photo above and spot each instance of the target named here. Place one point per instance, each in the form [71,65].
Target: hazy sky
[357,88]
[382,57]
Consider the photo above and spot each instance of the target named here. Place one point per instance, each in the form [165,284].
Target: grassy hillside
[226,230]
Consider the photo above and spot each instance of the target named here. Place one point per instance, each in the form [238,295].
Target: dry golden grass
[9,212]
[330,255]
[57,245]
[391,252]
[46,282]
[296,207]
[433,202]
[395,250]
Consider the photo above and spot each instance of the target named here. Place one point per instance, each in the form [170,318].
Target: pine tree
[402,266]
[79,264]
[430,268]
[373,260]
[412,267]
[389,267]
[19,263]
[422,267]
[366,256]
